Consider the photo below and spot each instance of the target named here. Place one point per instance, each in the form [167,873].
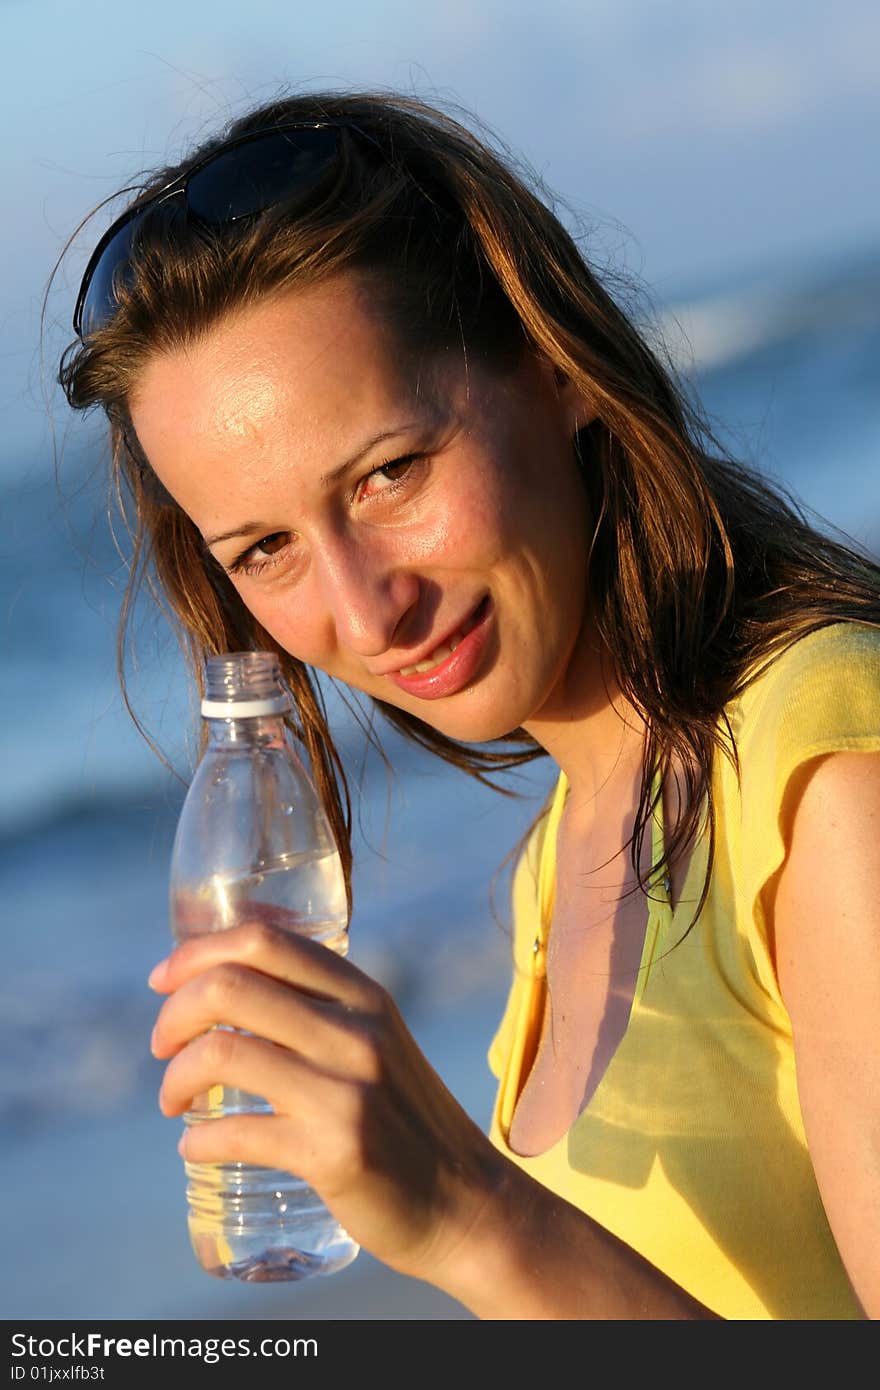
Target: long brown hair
[699,571]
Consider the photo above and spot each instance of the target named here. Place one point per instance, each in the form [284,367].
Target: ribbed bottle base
[274,1266]
[262,1226]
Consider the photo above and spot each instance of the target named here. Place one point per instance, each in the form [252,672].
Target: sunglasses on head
[244,178]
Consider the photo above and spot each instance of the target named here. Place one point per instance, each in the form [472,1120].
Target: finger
[263,946]
[270,1141]
[342,1039]
[236,1060]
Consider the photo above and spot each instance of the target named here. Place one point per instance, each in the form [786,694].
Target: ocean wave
[716,331]
[67,1055]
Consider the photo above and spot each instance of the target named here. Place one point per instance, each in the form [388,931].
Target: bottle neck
[257,731]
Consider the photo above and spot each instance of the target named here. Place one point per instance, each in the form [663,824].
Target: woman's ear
[581,410]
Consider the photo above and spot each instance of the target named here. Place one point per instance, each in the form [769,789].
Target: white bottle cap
[244,709]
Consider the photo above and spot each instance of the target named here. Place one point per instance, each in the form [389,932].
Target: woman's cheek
[307,642]
[432,541]
[293,622]
[468,533]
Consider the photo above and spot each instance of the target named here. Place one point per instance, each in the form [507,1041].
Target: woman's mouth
[453,664]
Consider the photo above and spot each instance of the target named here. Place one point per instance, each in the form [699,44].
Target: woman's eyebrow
[327,481]
[336,474]
[248,529]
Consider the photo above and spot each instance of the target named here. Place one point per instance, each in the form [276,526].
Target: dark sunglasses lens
[100,302]
[260,172]
[247,179]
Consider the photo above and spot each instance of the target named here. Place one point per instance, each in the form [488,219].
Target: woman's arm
[825,914]
[532,1256]
[361,1116]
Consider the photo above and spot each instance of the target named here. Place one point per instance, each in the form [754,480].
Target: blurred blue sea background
[758,238]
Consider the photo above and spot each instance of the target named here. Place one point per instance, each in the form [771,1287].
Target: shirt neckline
[659,902]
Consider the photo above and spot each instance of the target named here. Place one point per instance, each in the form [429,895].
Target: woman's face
[377,514]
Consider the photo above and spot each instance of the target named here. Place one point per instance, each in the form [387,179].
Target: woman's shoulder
[820,695]
[826,680]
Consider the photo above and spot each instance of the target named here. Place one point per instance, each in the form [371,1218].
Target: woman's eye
[393,472]
[270,545]
[262,555]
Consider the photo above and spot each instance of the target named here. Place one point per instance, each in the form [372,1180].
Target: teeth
[440,653]
[435,659]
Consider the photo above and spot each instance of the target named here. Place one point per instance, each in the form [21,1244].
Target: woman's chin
[474,725]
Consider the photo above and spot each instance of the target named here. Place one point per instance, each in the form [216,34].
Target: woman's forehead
[290,387]
[308,347]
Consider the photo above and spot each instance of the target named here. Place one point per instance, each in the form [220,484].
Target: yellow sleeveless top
[692,1149]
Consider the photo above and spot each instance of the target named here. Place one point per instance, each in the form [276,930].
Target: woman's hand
[359,1114]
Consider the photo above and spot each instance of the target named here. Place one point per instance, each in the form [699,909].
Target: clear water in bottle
[253,843]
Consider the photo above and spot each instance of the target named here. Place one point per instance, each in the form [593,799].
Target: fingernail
[155,976]
[153,1042]
[181,1145]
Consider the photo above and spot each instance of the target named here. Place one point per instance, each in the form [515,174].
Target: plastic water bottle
[253,842]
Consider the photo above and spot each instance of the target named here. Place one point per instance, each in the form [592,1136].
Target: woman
[377,414]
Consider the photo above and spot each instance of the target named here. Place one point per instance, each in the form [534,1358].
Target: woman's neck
[592,733]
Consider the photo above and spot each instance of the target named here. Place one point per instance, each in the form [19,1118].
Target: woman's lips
[456,670]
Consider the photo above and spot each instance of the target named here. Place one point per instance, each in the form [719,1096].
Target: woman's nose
[368,594]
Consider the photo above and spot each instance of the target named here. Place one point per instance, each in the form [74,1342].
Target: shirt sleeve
[822,695]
